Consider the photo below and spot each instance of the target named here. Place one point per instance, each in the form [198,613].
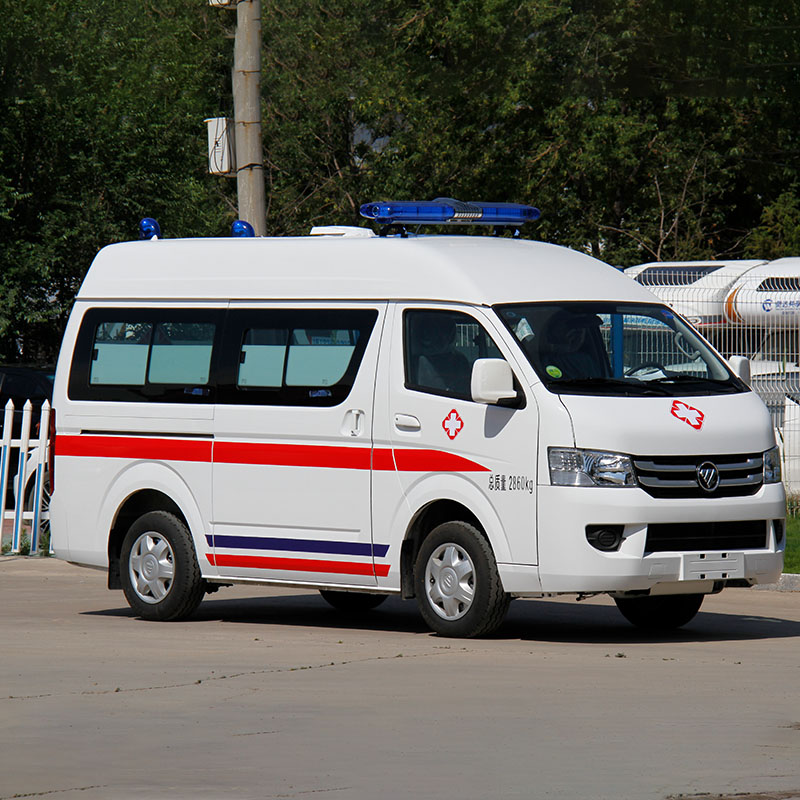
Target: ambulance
[457,419]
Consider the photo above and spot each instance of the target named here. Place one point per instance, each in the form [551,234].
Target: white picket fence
[24,492]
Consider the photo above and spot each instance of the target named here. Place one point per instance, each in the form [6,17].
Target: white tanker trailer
[767,296]
[695,289]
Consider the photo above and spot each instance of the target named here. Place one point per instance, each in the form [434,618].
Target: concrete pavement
[271,694]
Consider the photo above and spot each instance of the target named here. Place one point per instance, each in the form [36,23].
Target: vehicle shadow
[527,620]
[603,624]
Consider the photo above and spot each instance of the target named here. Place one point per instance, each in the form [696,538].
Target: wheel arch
[142,488]
[423,522]
[442,498]
[137,504]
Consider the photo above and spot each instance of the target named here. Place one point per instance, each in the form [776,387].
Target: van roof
[469,269]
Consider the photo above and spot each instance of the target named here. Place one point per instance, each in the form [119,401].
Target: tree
[778,235]
[642,129]
[102,112]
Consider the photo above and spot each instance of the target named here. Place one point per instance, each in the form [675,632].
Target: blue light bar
[149,228]
[446,211]
[242,229]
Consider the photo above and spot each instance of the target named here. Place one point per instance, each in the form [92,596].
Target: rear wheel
[160,574]
[457,584]
[662,612]
[352,601]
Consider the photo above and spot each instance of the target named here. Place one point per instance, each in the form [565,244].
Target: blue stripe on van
[298,545]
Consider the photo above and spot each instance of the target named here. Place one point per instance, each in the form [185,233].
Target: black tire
[457,584]
[352,602]
[159,570]
[662,612]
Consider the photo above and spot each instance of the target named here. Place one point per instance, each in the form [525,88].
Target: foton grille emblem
[708,476]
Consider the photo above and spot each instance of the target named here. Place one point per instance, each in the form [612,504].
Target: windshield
[616,349]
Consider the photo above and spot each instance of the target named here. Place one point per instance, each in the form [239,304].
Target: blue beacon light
[149,228]
[242,229]
[447,211]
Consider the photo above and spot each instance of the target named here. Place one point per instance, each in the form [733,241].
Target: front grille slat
[740,474]
[750,480]
[666,483]
[655,466]
[745,535]
[751,465]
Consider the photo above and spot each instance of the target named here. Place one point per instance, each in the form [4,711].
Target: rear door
[293,443]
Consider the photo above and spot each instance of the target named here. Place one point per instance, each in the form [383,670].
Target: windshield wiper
[630,386]
[682,378]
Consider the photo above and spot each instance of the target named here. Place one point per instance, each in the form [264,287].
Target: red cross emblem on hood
[691,416]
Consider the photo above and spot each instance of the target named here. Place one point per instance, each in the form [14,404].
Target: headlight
[772,465]
[570,467]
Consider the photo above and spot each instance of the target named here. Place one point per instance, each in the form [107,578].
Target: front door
[444,445]
[293,444]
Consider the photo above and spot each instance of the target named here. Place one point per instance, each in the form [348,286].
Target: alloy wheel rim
[152,567]
[450,581]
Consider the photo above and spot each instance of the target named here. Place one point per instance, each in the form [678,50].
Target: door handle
[407,422]
[357,416]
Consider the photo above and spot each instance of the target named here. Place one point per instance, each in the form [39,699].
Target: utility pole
[248,154]
[247,115]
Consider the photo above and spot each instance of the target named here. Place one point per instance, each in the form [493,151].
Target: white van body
[339,488]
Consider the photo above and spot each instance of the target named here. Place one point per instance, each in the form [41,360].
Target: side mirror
[492,381]
[741,367]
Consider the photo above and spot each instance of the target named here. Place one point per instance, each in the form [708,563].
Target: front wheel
[457,584]
[160,574]
[662,612]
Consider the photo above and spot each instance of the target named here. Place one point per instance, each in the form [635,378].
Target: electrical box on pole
[221,156]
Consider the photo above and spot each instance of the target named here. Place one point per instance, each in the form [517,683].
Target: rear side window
[299,357]
[252,357]
[293,356]
[145,355]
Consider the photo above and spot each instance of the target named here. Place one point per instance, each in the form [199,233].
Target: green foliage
[643,129]
[791,561]
[778,234]
[102,122]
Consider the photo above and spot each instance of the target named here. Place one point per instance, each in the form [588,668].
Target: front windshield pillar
[617,346]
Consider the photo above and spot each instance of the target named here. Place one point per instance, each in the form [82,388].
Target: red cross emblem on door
[452,424]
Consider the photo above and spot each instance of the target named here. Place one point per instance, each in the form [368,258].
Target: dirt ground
[269,693]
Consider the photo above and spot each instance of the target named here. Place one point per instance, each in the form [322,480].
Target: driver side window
[440,348]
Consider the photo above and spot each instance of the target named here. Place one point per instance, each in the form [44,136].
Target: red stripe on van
[284,455]
[292,455]
[434,461]
[382,459]
[299,565]
[139,447]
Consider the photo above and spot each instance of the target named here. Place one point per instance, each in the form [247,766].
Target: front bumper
[568,563]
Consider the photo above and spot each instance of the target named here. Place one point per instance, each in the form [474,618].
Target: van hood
[705,425]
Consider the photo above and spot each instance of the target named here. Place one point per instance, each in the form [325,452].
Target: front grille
[676,476]
[747,535]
